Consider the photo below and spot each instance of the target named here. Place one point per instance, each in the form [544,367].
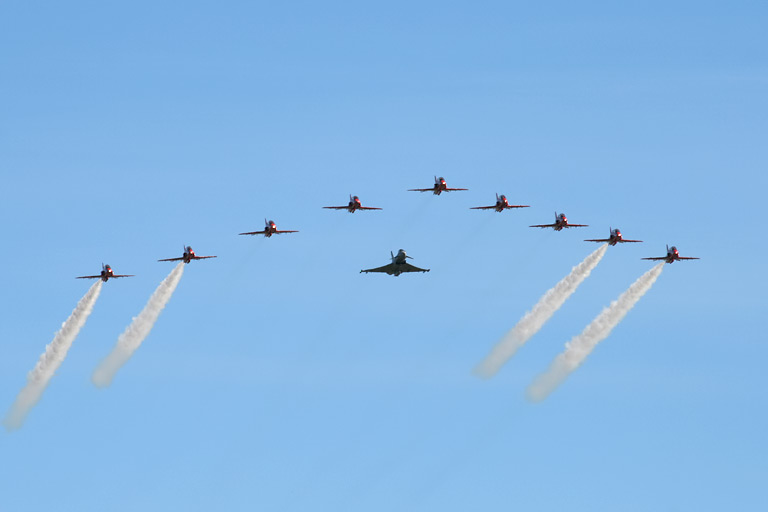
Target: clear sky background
[278,377]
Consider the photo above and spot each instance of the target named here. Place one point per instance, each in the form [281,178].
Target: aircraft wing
[89,277]
[337,207]
[407,267]
[389,269]
[121,275]
[453,189]
[483,207]
[543,226]
[196,258]
[606,240]
[172,259]
[262,232]
[278,232]
[367,208]
[687,258]
[517,206]
[431,189]
[576,226]
[629,241]
[655,259]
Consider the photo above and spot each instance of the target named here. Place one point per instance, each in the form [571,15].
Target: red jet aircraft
[613,239]
[561,221]
[354,204]
[438,187]
[188,256]
[501,205]
[106,273]
[269,229]
[672,256]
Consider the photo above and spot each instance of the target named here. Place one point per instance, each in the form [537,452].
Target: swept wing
[407,267]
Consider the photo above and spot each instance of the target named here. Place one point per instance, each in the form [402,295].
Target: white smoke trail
[135,333]
[535,319]
[577,350]
[49,362]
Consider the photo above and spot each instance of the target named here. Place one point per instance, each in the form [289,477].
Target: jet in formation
[437,188]
[561,221]
[188,256]
[398,265]
[501,205]
[269,229]
[672,256]
[614,239]
[106,274]
[354,204]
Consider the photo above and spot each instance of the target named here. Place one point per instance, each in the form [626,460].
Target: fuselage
[615,237]
[354,204]
[189,254]
[501,203]
[672,255]
[106,273]
[440,186]
[560,222]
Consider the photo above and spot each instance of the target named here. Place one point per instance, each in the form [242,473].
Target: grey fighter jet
[398,265]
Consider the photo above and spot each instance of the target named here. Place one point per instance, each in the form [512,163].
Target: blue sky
[278,377]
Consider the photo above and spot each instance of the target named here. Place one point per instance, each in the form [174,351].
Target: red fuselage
[615,237]
[502,204]
[106,273]
[440,186]
[354,204]
[561,222]
[672,255]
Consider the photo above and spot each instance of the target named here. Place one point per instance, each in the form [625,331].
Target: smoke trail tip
[483,372]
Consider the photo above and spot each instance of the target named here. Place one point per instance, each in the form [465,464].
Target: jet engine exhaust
[51,359]
[139,328]
[535,319]
[577,350]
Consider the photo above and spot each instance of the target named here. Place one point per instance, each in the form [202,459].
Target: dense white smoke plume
[49,362]
[140,327]
[577,350]
[535,319]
